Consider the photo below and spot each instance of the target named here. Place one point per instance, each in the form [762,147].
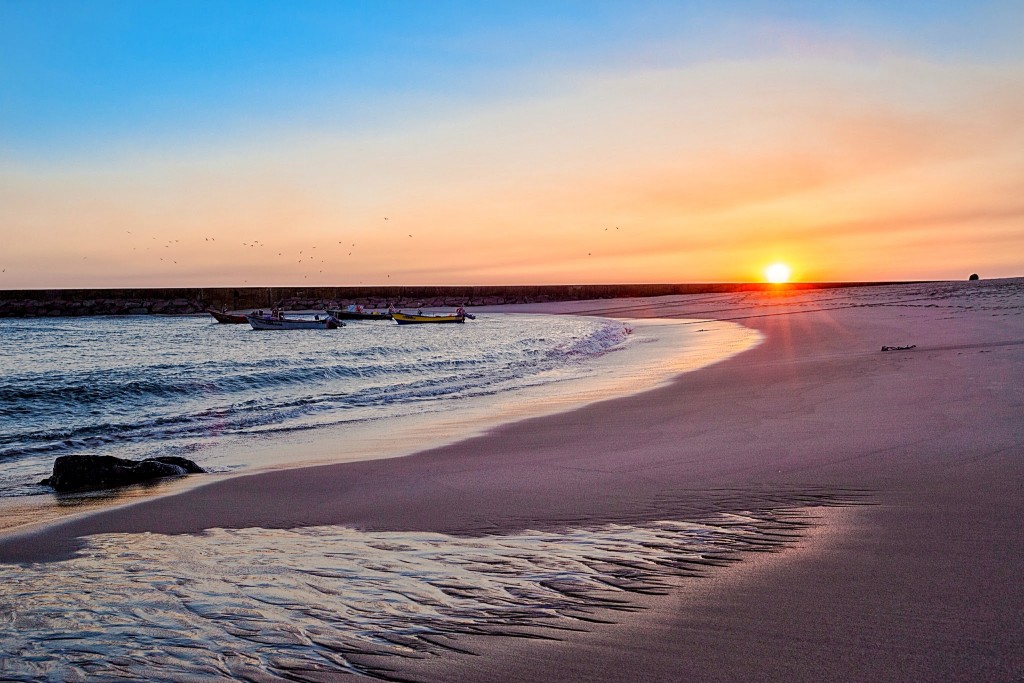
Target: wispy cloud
[692,173]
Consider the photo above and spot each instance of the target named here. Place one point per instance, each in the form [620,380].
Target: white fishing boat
[281,323]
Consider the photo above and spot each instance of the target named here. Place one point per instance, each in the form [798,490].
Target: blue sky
[153,143]
[85,73]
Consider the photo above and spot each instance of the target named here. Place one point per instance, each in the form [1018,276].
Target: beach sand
[921,580]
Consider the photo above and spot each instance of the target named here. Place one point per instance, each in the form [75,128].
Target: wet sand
[924,583]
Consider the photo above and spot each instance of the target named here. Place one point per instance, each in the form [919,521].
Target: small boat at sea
[411,319]
[228,318]
[357,313]
[281,323]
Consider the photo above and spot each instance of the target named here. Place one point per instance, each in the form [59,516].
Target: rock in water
[974,276]
[89,472]
[184,463]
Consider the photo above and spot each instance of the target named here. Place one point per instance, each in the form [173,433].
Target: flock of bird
[306,255]
[315,261]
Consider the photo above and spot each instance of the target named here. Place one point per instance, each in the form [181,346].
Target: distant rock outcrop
[91,472]
[974,276]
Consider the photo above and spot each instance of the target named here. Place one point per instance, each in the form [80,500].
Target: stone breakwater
[36,308]
[183,301]
[41,308]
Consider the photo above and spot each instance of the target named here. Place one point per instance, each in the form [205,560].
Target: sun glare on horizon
[777,273]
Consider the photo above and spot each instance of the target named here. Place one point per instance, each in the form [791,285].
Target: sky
[392,142]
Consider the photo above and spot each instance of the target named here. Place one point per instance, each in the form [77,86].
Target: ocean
[145,386]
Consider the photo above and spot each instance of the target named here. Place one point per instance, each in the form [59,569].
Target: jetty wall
[29,303]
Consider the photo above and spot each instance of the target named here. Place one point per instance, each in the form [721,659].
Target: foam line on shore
[655,351]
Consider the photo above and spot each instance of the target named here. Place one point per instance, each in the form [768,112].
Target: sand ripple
[256,604]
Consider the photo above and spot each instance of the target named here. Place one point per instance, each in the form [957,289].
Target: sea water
[146,386]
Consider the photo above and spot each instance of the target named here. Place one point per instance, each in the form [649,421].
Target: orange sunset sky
[393,143]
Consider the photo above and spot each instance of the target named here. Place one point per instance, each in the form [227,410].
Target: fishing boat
[412,319]
[228,318]
[281,323]
[357,313]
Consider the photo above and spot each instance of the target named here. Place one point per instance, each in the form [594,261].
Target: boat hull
[409,319]
[293,324]
[228,318]
[366,315]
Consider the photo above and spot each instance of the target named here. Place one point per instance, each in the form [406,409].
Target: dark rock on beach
[90,472]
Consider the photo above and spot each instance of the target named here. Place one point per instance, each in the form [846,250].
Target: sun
[777,273]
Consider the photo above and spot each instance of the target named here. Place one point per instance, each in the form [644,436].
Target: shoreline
[656,351]
[923,585]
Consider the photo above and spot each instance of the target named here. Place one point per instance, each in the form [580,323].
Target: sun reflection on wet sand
[28,511]
[257,603]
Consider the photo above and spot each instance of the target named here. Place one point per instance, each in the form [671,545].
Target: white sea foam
[433,385]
